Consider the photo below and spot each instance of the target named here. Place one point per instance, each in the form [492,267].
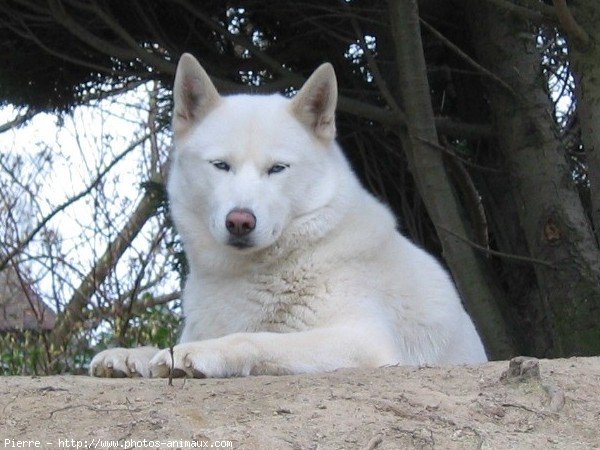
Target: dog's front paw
[122,362]
[193,360]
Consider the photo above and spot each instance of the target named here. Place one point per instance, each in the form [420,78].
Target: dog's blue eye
[221,165]
[277,168]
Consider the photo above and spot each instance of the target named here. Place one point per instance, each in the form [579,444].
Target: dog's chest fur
[289,297]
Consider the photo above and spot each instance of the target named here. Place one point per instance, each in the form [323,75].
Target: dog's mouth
[240,243]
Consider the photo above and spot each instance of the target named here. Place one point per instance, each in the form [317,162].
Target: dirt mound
[553,405]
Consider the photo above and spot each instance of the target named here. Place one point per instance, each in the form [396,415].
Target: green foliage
[23,353]
[157,325]
[30,353]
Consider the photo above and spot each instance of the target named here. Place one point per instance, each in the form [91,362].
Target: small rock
[522,368]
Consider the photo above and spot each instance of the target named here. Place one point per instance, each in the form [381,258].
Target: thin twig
[466,57]
[92,408]
[461,159]
[495,252]
[171,352]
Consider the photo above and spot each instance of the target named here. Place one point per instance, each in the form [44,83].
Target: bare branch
[570,25]
[74,311]
[240,40]
[143,54]
[102,45]
[24,242]
[489,251]
[379,80]
[466,57]
[542,14]
[454,155]
[19,120]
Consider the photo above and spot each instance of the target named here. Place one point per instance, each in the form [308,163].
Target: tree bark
[550,211]
[481,297]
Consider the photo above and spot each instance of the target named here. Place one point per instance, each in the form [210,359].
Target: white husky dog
[294,266]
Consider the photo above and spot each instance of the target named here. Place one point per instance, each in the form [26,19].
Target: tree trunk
[550,211]
[586,65]
[426,164]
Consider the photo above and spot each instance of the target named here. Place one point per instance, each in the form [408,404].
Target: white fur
[328,281]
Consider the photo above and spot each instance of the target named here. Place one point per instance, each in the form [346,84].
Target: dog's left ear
[314,105]
[194,95]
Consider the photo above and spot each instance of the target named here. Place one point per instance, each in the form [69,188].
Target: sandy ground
[389,408]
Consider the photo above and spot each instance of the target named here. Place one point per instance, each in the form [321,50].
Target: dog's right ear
[194,95]
[314,105]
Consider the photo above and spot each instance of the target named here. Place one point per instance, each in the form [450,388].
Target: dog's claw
[122,362]
[116,373]
[198,374]
[178,373]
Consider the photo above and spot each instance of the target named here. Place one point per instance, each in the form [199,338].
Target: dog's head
[246,166]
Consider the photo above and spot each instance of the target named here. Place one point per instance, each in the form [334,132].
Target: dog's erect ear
[194,95]
[315,103]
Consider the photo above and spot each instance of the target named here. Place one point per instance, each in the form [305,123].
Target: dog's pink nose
[240,222]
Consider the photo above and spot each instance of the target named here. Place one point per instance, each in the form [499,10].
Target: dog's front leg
[243,354]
